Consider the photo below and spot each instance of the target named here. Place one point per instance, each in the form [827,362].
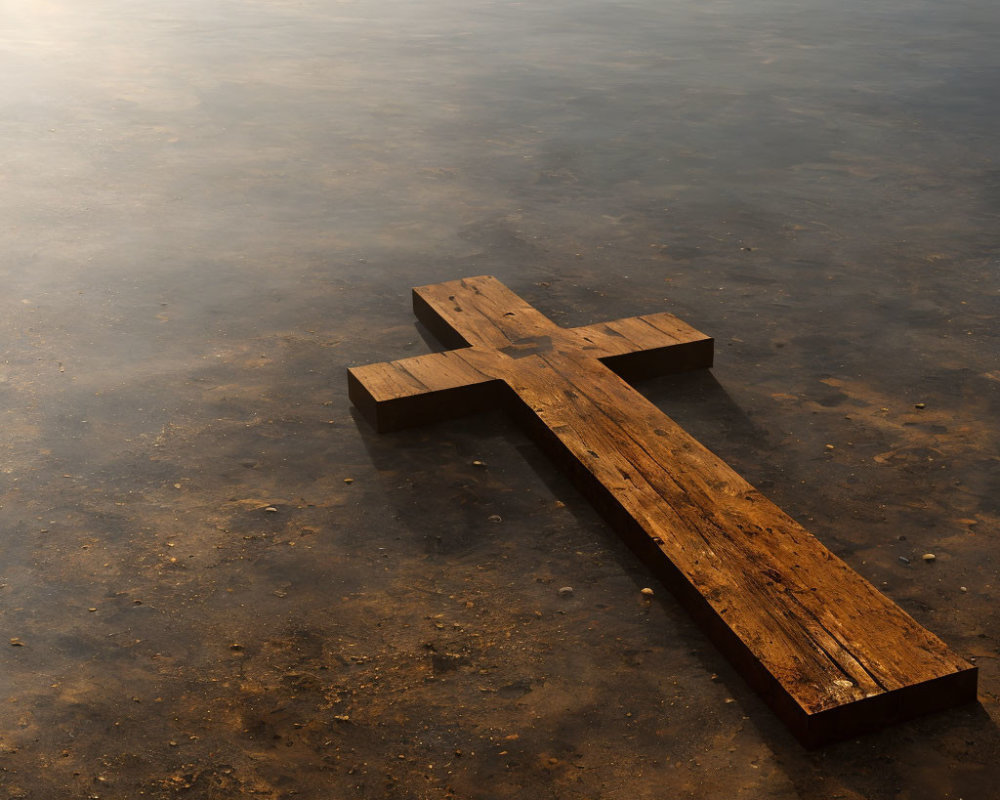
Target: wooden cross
[830,654]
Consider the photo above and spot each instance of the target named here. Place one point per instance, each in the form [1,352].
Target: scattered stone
[348,480]
[962,589]
[920,405]
[929,557]
[904,559]
[91,610]
[647,592]
[236,646]
[15,642]
[495,518]
[829,447]
[478,463]
[566,591]
[271,509]
[342,717]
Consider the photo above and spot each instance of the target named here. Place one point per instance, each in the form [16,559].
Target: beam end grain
[872,713]
[420,390]
[654,363]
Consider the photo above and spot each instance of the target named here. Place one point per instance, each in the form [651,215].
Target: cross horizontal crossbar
[828,652]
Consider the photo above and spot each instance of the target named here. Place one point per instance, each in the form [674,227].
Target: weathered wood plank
[419,390]
[479,312]
[803,613]
[647,346]
[831,654]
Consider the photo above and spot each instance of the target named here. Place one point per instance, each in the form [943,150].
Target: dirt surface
[217,582]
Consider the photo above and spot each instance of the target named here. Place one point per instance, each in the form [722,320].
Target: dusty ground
[212,208]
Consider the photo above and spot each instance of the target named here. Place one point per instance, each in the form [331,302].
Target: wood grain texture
[829,653]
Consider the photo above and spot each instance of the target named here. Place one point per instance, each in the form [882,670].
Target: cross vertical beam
[829,653]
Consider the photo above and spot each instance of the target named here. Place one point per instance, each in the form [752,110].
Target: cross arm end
[648,346]
[415,391]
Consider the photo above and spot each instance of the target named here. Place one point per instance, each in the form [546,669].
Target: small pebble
[271,509]
[495,518]
[15,642]
[904,559]
[348,480]
[566,591]
[962,589]
[920,405]
[647,592]
[478,463]
[929,557]
[829,447]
